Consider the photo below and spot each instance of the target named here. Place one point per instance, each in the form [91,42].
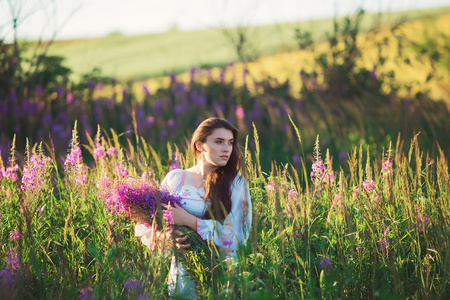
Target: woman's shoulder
[173,175]
[175,172]
[239,181]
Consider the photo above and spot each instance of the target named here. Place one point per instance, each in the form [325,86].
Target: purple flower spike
[85,294]
[326,264]
[14,235]
[168,216]
[129,284]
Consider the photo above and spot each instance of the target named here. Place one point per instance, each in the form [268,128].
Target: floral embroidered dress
[236,227]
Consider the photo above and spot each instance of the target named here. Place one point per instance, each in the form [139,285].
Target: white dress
[235,228]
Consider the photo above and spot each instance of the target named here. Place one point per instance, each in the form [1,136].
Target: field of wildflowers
[380,230]
[348,176]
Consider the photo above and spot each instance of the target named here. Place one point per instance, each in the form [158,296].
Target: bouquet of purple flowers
[141,199]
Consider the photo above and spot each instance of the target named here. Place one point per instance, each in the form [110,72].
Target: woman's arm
[235,229]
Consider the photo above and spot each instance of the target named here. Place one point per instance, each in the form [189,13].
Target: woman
[217,199]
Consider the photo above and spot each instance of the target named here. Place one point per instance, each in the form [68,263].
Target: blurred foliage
[341,99]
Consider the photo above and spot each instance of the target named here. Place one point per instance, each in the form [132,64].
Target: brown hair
[218,183]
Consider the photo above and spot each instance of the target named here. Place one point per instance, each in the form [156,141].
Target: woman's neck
[203,168]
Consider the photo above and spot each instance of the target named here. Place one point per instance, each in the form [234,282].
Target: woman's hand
[165,240]
[180,242]
[181,217]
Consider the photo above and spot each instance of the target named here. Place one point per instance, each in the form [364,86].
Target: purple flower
[7,279]
[193,71]
[143,297]
[146,90]
[175,162]
[408,102]
[123,194]
[296,159]
[373,73]
[178,110]
[129,284]
[171,124]
[226,241]
[12,261]
[39,90]
[326,264]
[173,78]
[85,294]
[91,84]
[384,243]
[421,222]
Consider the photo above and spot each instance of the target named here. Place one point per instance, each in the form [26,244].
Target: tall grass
[380,230]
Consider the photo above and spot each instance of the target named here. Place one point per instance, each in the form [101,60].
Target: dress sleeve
[236,227]
[146,231]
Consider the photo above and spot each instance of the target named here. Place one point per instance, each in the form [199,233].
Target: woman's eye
[218,142]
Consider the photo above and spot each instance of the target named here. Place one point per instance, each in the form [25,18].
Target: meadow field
[346,148]
[140,57]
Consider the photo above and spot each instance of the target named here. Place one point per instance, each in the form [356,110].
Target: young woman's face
[218,147]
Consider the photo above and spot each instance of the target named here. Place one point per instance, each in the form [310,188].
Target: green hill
[143,56]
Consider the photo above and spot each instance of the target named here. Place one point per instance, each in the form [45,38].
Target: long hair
[218,183]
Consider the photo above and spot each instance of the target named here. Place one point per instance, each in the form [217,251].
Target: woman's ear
[199,146]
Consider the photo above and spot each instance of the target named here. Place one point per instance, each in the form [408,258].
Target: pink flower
[99,153]
[122,171]
[270,188]
[14,235]
[10,173]
[369,186]
[168,216]
[34,172]
[293,196]
[146,175]
[240,113]
[111,151]
[317,169]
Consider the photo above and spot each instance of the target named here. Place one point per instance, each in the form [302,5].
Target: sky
[68,19]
